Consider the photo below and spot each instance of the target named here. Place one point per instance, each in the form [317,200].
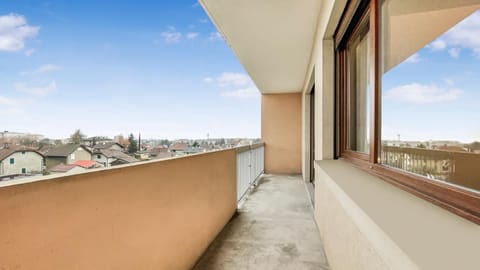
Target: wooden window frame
[460,201]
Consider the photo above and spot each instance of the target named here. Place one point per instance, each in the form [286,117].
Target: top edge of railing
[426,151]
[246,148]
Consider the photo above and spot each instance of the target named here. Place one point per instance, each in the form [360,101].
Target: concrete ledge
[367,223]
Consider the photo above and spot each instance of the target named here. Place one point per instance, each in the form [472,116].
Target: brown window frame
[460,201]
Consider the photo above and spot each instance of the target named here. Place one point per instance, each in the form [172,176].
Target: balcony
[160,215]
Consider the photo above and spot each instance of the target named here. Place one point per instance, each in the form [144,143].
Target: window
[407,102]
[24,170]
[72,156]
[99,156]
[12,161]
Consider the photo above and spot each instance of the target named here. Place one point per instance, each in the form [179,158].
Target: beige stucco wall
[366,223]
[31,161]
[153,215]
[281,132]
[79,154]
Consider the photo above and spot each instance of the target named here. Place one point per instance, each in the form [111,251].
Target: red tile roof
[85,163]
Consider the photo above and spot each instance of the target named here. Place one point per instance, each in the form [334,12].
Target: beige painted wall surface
[155,215]
[281,132]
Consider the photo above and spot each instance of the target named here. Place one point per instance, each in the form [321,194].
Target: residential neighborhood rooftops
[62,150]
[116,154]
[106,145]
[178,146]
[62,168]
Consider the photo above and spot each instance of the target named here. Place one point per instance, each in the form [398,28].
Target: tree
[195,144]
[77,137]
[132,144]
[222,141]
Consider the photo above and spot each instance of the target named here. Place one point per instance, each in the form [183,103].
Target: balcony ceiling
[272,39]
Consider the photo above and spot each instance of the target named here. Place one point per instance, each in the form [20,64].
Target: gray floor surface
[273,229]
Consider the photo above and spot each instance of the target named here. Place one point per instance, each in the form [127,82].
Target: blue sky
[435,94]
[116,67]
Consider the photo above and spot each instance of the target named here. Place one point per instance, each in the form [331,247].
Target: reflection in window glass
[430,89]
[358,96]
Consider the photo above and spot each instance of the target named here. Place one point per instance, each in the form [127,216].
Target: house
[193,150]
[66,168]
[66,154]
[108,157]
[178,147]
[108,145]
[15,160]
[158,149]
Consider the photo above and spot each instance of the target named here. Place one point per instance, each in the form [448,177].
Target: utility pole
[139,142]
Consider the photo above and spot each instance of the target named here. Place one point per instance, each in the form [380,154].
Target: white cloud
[233,79]
[438,45]
[240,85]
[191,35]
[208,80]
[36,91]
[466,35]
[215,36]
[5,101]
[195,5]
[203,20]
[42,69]
[422,94]
[14,30]
[454,52]
[171,35]
[47,68]
[414,58]
[449,81]
[249,92]
[29,52]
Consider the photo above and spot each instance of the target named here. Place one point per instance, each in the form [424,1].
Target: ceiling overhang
[272,39]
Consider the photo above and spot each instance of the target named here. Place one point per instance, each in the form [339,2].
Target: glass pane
[430,96]
[358,95]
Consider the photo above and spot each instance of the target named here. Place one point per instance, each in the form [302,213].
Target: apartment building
[324,70]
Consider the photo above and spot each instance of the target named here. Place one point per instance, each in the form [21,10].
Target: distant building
[66,154]
[108,157]
[20,161]
[178,148]
[109,146]
[96,140]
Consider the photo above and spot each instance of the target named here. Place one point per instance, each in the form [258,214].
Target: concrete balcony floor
[273,229]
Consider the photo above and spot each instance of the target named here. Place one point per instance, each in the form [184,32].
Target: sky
[434,94]
[117,67]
